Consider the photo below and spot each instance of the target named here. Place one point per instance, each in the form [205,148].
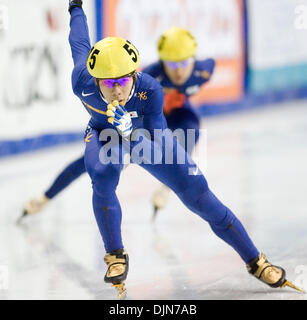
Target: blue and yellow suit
[192,190]
[177,109]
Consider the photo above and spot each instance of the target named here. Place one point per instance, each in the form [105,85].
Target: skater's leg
[194,192]
[72,172]
[66,177]
[106,206]
[183,119]
[107,210]
[220,218]
[108,216]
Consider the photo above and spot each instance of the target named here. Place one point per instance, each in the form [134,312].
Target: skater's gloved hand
[74,4]
[120,118]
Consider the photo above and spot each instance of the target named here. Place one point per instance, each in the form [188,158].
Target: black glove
[74,4]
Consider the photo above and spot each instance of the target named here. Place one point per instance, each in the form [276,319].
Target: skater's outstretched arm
[80,45]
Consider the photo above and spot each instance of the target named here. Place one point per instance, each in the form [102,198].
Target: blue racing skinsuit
[177,109]
[146,103]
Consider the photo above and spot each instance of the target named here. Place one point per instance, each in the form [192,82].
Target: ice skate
[160,199]
[273,276]
[118,264]
[34,206]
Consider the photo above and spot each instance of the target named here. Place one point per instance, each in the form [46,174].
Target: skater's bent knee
[225,220]
[193,193]
[105,178]
[208,207]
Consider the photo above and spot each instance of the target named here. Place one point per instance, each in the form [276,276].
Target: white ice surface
[256,165]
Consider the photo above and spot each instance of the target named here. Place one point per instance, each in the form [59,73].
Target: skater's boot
[34,206]
[118,264]
[160,199]
[273,276]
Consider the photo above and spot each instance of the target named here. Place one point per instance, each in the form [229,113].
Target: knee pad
[214,211]
[105,178]
[204,203]
[191,195]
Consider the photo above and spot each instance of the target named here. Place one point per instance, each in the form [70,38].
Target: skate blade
[20,219]
[155,211]
[122,291]
[291,285]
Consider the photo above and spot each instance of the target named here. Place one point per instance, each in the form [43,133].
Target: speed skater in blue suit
[105,80]
[181,76]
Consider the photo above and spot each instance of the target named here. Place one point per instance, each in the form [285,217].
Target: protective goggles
[109,83]
[180,64]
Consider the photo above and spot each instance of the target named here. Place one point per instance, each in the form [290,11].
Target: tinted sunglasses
[109,83]
[180,64]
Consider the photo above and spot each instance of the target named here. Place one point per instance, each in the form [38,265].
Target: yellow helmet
[176,44]
[112,58]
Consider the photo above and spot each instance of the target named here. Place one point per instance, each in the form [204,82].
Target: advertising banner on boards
[216,25]
[277,47]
